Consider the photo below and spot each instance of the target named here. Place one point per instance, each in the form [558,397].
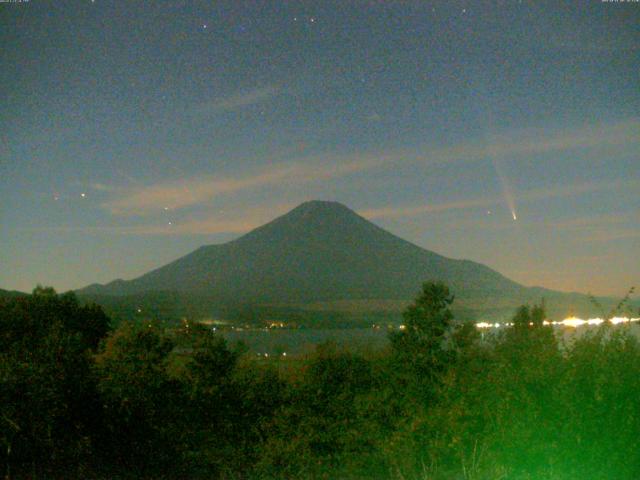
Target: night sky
[503,132]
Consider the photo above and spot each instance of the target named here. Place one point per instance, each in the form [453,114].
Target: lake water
[300,341]
[295,342]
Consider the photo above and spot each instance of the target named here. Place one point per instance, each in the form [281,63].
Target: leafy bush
[143,401]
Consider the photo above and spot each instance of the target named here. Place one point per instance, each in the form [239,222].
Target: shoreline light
[572,322]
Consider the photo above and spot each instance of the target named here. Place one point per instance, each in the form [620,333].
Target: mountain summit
[319,251]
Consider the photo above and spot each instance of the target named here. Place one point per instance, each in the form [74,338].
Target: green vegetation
[79,399]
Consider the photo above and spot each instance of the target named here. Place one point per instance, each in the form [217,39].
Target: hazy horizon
[234,237]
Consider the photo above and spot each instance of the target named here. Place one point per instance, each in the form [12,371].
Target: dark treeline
[79,400]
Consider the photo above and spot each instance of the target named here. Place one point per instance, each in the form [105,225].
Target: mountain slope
[11,294]
[319,251]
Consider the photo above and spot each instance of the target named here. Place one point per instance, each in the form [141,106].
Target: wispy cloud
[232,221]
[537,141]
[413,210]
[240,222]
[238,100]
[199,190]
[176,194]
[607,236]
[603,227]
[101,187]
[183,193]
[578,189]
[488,201]
[600,220]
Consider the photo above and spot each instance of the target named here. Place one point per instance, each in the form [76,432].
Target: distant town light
[617,320]
[572,322]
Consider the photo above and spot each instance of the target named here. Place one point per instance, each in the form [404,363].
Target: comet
[492,151]
[507,192]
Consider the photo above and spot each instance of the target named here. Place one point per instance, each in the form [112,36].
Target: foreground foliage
[80,401]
